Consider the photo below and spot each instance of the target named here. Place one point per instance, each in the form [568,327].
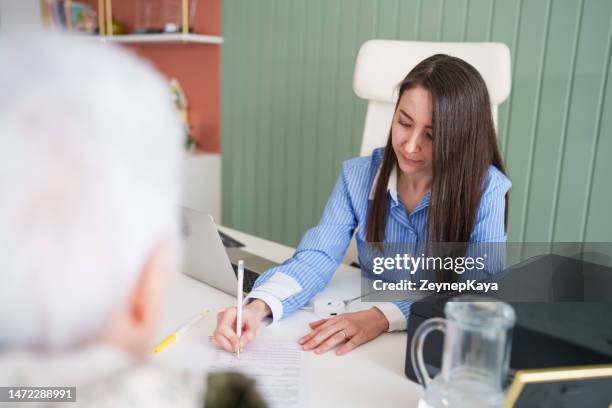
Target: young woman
[440,178]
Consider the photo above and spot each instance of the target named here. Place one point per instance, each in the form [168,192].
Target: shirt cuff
[273,291]
[276,306]
[394,315]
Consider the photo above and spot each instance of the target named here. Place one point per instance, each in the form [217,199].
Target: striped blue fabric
[323,247]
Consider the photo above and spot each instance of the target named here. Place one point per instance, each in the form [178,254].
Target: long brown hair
[464,145]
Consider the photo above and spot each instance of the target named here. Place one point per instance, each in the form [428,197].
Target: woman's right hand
[225,333]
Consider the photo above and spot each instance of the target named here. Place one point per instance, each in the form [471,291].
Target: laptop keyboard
[249,278]
[230,242]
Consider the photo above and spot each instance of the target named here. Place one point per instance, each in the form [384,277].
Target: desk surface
[371,375]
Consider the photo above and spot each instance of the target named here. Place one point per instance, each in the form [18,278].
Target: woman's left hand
[348,330]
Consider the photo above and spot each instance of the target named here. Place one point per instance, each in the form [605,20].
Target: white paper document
[275,365]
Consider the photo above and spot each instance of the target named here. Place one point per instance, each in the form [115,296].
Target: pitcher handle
[418,342]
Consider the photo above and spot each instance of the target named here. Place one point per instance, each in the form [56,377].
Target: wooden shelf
[163,38]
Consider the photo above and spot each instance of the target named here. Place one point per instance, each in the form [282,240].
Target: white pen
[239,303]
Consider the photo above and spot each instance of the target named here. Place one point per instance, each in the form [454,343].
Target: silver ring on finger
[344,334]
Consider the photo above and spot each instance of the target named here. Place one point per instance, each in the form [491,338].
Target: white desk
[369,376]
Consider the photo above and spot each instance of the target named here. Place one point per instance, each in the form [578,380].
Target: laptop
[207,260]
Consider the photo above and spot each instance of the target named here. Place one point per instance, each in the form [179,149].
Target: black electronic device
[551,332]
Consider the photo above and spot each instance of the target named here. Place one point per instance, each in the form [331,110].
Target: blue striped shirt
[291,285]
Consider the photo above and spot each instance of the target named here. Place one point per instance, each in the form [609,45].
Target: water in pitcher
[464,389]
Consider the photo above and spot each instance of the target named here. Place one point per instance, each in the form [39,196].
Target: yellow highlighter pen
[180,332]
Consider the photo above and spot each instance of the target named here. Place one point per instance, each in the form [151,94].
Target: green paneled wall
[290,117]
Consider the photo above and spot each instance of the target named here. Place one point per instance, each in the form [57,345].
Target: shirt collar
[392,189]
[391,186]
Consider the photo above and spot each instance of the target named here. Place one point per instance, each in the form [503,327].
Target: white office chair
[382,64]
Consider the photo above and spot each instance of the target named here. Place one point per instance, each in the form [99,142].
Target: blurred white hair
[90,152]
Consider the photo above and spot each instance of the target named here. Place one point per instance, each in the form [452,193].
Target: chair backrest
[382,64]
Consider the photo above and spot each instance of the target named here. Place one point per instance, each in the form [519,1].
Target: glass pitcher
[477,336]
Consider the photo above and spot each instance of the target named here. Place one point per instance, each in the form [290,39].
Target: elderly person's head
[90,154]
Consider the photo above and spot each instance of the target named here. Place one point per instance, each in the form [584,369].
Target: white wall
[203,184]
[15,14]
